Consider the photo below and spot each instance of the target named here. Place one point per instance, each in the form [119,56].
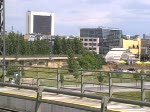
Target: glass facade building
[108,37]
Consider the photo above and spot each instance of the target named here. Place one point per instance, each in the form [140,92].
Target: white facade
[91,43]
[30,21]
[117,54]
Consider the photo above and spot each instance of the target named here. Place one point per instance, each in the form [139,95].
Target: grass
[46,73]
[132,95]
[136,95]
[52,73]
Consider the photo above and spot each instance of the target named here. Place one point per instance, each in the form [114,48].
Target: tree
[100,79]
[57,46]
[64,46]
[73,64]
[137,76]
[62,79]
[13,68]
[91,60]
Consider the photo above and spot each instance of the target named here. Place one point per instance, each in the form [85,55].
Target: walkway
[76,100]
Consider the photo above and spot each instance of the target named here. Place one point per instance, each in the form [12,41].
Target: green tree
[73,64]
[14,68]
[11,44]
[57,46]
[62,79]
[64,46]
[78,49]
[137,76]
[100,79]
[91,60]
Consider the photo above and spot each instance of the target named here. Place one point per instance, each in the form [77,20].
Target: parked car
[118,70]
[131,70]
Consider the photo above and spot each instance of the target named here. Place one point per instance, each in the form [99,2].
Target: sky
[131,16]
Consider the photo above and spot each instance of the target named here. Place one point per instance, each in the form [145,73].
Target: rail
[87,79]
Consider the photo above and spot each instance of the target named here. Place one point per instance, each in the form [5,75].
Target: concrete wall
[29,106]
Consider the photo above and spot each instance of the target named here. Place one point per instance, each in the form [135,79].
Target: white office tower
[40,23]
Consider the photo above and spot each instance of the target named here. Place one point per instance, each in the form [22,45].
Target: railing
[85,83]
[26,56]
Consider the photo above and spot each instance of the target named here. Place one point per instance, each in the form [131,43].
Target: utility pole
[2,33]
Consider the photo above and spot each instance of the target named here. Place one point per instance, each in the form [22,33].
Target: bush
[11,69]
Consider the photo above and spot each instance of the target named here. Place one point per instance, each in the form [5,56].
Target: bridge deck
[91,103]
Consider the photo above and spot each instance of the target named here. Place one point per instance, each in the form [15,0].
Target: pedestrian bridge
[50,61]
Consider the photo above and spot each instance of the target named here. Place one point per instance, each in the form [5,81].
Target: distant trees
[62,45]
[91,60]
[16,45]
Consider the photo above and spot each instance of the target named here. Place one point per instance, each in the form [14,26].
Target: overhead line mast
[2,33]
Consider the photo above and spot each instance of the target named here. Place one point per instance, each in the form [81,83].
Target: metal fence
[112,85]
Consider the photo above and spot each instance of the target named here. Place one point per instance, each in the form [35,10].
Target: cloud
[77,13]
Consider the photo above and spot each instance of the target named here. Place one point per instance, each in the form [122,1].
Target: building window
[85,39]
[90,48]
[94,48]
[94,44]
[81,39]
[85,44]
[94,39]
[90,39]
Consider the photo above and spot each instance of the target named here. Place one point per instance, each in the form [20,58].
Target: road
[124,87]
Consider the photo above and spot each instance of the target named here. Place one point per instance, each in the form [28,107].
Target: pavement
[123,87]
[113,106]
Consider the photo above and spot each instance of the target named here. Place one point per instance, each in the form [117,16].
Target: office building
[91,43]
[108,37]
[40,23]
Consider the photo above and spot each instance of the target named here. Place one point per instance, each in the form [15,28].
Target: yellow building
[133,45]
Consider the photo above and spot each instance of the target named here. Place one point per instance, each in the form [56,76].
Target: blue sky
[131,16]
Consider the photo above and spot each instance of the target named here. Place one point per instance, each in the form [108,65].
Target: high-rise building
[146,36]
[40,23]
[108,37]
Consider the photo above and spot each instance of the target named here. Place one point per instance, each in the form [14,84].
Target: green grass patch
[132,95]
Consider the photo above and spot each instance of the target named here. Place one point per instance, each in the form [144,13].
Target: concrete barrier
[29,105]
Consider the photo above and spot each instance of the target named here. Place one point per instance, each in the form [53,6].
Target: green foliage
[16,45]
[73,64]
[61,78]
[11,69]
[91,60]
[100,77]
[57,46]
